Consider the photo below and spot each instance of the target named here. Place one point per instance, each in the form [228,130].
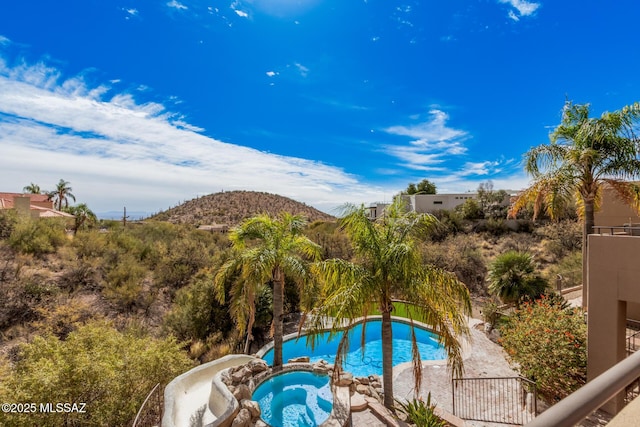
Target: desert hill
[232,207]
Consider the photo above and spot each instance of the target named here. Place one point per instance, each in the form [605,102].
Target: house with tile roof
[32,205]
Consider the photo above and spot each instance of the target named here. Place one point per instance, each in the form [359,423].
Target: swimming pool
[370,362]
[295,399]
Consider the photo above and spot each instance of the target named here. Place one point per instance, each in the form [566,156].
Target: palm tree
[84,215]
[387,268]
[584,155]
[32,189]
[61,194]
[266,251]
[513,277]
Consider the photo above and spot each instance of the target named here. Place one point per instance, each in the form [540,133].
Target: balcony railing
[625,229]
[591,396]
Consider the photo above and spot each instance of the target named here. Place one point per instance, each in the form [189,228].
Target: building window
[437,202]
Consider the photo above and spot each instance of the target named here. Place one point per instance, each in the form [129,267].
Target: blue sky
[145,104]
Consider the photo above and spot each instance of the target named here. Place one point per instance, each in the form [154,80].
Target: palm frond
[628,192]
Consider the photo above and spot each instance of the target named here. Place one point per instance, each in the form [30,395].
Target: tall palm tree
[513,276]
[62,194]
[266,250]
[584,154]
[32,189]
[388,267]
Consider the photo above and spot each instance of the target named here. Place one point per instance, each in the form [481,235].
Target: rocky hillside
[231,207]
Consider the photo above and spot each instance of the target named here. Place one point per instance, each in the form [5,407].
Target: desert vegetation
[152,284]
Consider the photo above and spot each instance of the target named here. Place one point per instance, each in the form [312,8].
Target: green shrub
[8,221]
[449,222]
[561,238]
[462,256]
[183,258]
[195,313]
[38,237]
[569,270]
[549,345]
[124,282]
[421,413]
[110,371]
[90,244]
[471,210]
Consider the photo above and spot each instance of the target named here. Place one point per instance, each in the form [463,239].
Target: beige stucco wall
[613,274]
[614,211]
[427,203]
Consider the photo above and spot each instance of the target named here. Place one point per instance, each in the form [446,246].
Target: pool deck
[482,358]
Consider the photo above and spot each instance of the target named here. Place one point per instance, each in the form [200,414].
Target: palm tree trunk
[278,303]
[387,359]
[247,343]
[589,222]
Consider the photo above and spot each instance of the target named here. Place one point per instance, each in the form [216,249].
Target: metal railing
[577,406]
[626,229]
[633,342]
[506,400]
[150,413]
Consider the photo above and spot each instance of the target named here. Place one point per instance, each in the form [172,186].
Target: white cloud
[304,71]
[241,13]
[432,140]
[236,7]
[271,73]
[524,8]
[177,5]
[119,152]
[479,168]
[438,149]
[131,11]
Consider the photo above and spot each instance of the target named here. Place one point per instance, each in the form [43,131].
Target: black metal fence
[507,400]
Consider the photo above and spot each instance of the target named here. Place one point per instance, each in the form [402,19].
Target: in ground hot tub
[295,399]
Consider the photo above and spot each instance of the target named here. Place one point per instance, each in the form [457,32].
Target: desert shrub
[8,221]
[568,270]
[449,222]
[549,346]
[493,226]
[63,317]
[332,239]
[21,299]
[90,244]
[37,237]
[183,258]
[124,282]
[462,256]
[196,313]
[421,413]
[110,371]
[471,210]
[79,275]
[561,238]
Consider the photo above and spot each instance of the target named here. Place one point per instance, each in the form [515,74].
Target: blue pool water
[369,362]
[295,399]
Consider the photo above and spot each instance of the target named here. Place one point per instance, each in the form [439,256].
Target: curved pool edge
[341,410]
[465,345]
